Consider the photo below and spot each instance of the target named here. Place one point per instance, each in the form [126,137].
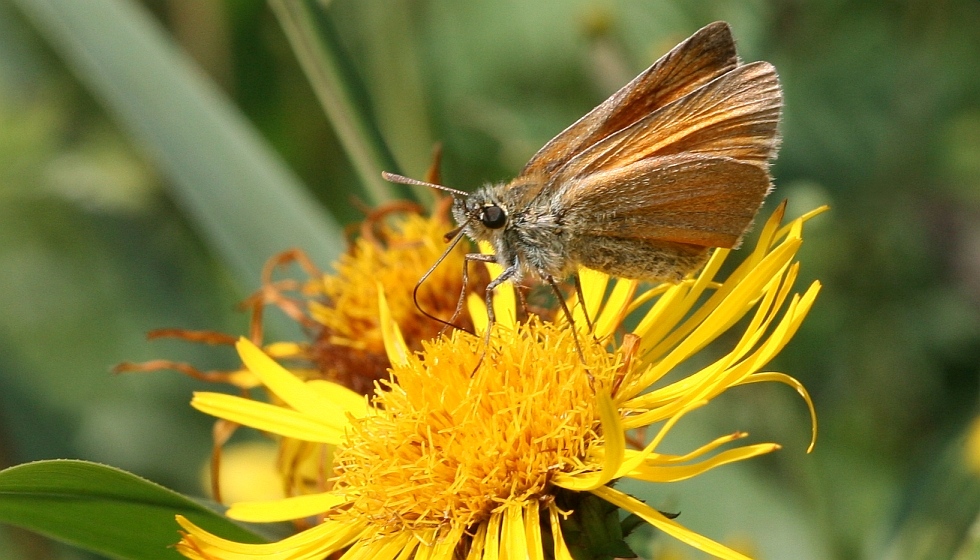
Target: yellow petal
[690,456]
[294,391]
[504,298]
[476,545]
[614,448]
[268,418]
[284,509]
[593,289]
[647,418]
[513,538]
[491,545]
[505,304]
[727,312]
[660,473]
[384,548]
[445,546]
[395,346]
[478,312]
[283,349]
[532,530]
[355,404]
[561,549]
[409,549]
[427,546]
[322,539]
[615,309]
[668,526]
[244,379]
[792,382]
[804,218]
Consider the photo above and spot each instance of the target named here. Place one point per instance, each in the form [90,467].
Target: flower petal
[613,449]
[476,545]
[285,509]
[314,543]
[593,285]
[532,530]
[268,417]
[635,459]
[504,298]
[513,538]
[445,547]
[478,313]
[561,548]
[395,346]
[660,473]
[690,456]
[669,526]
[384,548]
[294,391]
[426,548]
[792,382]
[616,308]
[491,544]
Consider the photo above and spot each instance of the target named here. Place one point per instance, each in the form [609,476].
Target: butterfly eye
[493,217]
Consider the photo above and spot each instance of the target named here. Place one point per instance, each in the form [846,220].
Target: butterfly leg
[508,273]
[581,301]
[568,315]
[462,297]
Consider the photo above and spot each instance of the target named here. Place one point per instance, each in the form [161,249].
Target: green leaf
[104,509]
[593,530]
[244,200]
[339,90]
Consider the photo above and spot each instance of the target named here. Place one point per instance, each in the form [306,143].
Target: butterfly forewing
[733,116]
[704,56]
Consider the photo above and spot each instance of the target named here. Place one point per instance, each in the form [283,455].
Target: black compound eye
[493,217]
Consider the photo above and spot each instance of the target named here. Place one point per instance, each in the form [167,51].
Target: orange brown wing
[685,198]
[733,116]
[701,58]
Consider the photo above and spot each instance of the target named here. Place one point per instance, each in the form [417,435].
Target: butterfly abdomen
[640,259]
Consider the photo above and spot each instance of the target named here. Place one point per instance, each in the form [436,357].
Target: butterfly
[672,165]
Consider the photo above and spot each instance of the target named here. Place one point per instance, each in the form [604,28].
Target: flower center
[451,445]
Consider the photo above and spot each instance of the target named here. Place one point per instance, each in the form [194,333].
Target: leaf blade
[104,509]
[240,195]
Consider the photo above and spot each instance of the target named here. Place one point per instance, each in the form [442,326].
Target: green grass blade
[339,91]
[245,201]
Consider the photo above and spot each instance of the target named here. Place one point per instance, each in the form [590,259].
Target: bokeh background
[100,241]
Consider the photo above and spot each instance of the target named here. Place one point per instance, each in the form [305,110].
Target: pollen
[394,253]
[459,438]
[395,249]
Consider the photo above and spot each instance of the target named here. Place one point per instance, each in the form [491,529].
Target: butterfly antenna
[402,180]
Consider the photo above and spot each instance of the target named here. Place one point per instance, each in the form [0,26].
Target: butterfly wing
[693,172]
[701,58]
[687,199]
[733,116]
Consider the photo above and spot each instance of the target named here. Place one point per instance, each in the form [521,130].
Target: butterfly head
[481,215]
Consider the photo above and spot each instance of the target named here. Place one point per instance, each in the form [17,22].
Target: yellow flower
[481,452]
[339,313]
[392,255]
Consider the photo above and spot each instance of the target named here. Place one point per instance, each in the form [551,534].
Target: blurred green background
[102,238]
